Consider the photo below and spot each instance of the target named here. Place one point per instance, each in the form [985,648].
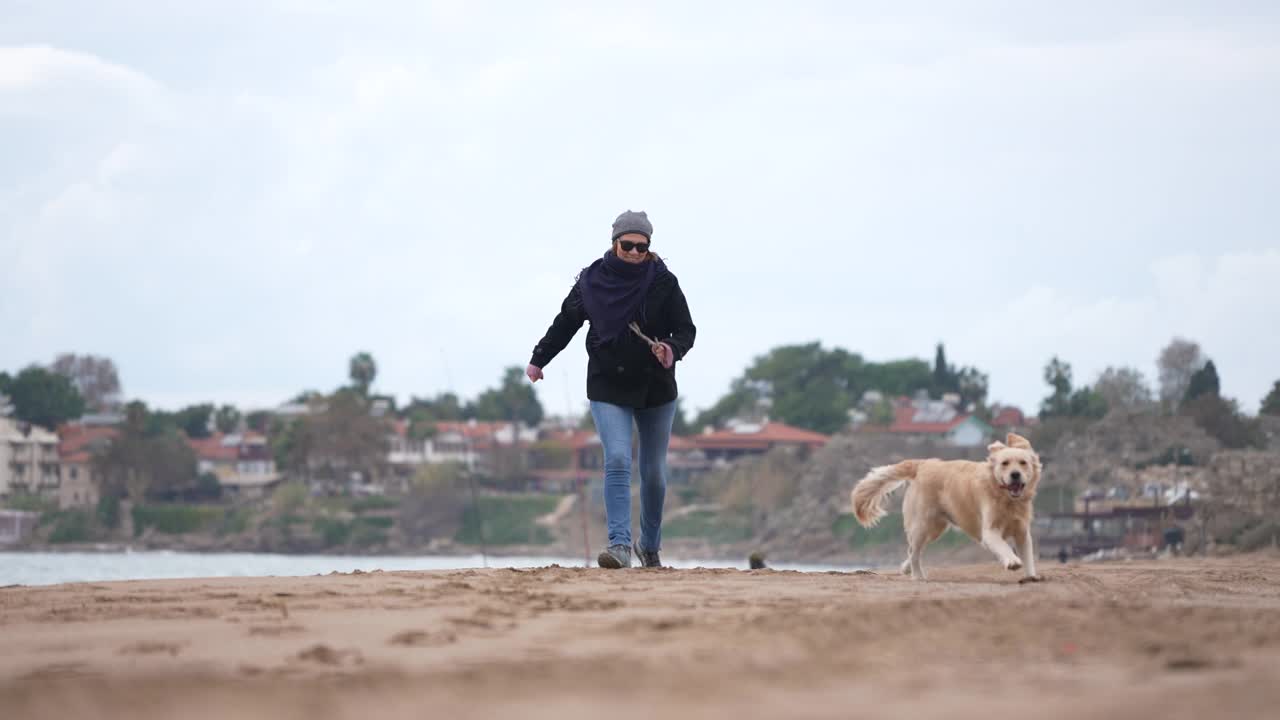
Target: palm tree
[363,370]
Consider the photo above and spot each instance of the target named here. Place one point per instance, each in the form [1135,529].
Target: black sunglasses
[628,246]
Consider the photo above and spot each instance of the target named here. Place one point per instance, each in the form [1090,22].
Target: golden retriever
[990,502]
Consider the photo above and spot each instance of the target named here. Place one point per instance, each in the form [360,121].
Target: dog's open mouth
[1015,488]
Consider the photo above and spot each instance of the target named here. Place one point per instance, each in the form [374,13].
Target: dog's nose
[1016,475]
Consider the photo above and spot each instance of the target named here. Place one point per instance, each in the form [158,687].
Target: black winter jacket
[624,370]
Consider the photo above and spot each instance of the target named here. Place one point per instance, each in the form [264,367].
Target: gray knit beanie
[632,222]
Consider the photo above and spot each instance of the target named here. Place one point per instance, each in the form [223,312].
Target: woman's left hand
[665,355]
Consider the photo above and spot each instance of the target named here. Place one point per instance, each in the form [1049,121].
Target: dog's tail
[869,494]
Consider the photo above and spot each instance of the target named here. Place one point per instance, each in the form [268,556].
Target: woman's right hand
[534,372]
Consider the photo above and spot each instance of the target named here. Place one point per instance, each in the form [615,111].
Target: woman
[627,294]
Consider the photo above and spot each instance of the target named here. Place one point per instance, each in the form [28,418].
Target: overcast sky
[231,198]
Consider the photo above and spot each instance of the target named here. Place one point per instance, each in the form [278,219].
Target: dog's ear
[1017,441]
[996,447]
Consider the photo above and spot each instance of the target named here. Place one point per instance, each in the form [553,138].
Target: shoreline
[702,551]
[887,556]
[37,569]
[1187,638]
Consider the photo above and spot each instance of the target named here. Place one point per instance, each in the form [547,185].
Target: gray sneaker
[647,558]
[615,558]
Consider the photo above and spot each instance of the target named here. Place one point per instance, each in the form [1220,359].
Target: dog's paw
[1031,579]
[1013,564]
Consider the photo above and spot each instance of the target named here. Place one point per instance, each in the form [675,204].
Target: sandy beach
[1168,639]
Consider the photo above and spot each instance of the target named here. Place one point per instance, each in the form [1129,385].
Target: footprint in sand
[275,630]
[325,655]
[150,648]
[672,623]
[422,638]
[57,671]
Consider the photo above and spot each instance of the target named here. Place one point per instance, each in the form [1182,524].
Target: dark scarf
[613,293]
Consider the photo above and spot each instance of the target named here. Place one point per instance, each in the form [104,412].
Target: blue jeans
[613,424]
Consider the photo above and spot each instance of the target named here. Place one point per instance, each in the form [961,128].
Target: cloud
[40,68]
[1224,302]
[233,198]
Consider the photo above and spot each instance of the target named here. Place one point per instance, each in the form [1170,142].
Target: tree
[1087,403]
[171,465]
[1270,403]
[811,387]
[972,385]
[227,419]
[1222,419]
[208,487]
[306,397]
[1063,401]
[288,447]
[895,377]
[733,403]
[968,382]
[944,376]
[43,398]
[195,420]
[363,370]
[96,378]
[340,437]
[6,405]
[513,400]
[1058,376]
[158,422]
[258,421]
[1178,361]
[1123,388]
[138,465]
[422,418]
[444,407]
[288,499]
[1203,382]
[882,413]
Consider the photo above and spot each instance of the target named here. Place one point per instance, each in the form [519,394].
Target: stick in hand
[661,350]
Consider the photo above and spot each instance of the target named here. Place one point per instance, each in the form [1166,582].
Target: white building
[469,443]
[28,460]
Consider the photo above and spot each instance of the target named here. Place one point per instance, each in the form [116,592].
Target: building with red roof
[753,438]
[565,459]
[935,420]
[479,446]
[1010,419]
[78,443]
[243,462]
